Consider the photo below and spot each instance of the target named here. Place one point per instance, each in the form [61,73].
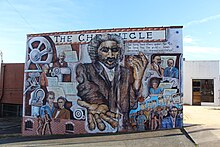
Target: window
[204,88]
[69,128]
[28,125]
[12,110]
[207,90]
[196,83]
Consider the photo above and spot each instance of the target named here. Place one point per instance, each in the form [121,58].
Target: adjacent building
[201,83]
[11,89]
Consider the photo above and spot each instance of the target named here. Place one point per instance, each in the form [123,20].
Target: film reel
[37,48]
[78,114]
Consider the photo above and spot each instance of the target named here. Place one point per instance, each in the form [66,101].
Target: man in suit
[104,85]
[49,106]
[171,71]
[173,120]
[156,65]
[60,62]
[61,112]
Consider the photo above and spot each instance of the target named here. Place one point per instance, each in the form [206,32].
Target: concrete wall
[200,70]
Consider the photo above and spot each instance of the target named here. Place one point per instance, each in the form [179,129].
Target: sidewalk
[203,124]
[167,138]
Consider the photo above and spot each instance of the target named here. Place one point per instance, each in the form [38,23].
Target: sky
[200,21]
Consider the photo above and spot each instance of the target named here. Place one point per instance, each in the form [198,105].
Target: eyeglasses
[60,102]
[106,49]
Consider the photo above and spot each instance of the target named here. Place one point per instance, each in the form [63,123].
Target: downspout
[2,82]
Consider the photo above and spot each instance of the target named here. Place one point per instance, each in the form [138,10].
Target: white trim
[208,104]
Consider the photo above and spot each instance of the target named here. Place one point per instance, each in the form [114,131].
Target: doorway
[203,91]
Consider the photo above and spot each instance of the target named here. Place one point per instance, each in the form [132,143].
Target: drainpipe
[219,97]
[2,76]
[2,81]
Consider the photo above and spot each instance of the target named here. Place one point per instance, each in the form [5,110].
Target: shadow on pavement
[191,125]
[120,136]
[200,130]
[209,129]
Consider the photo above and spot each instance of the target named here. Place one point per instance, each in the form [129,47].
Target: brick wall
[11,83]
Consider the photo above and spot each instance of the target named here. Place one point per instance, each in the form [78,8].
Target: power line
[13,7]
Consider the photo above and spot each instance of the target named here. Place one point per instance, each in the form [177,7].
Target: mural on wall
[98,81]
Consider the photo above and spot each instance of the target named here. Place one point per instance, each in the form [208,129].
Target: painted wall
[200,70]
[99,81]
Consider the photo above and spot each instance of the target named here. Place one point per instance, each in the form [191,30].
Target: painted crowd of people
[157,118]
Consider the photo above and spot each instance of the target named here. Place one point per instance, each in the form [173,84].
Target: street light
[1,55]
[1,61]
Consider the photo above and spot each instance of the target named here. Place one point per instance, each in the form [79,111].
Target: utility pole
[1,105]
[1,55]
[1,61]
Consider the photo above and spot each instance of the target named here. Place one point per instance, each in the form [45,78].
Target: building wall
[200,70]
[64,65]
[12,79]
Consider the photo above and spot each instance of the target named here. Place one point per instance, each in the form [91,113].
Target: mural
[99,81]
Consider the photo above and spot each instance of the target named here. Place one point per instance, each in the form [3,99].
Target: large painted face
[108,53]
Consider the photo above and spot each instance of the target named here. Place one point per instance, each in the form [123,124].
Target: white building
[201,83]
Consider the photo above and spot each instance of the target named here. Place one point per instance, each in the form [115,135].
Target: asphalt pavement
[10,126]
[201,128]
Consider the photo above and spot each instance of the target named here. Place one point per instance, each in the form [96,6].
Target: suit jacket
[159,70]
[173,73]
[168,124]
[95,87]
[64,113]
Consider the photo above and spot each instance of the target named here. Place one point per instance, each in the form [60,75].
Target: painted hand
[139,65]
[97,114]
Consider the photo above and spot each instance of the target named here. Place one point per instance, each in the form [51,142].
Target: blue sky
[200,21]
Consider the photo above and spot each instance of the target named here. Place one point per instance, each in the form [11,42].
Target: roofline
[107,30]
[201,60]
[11,63]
